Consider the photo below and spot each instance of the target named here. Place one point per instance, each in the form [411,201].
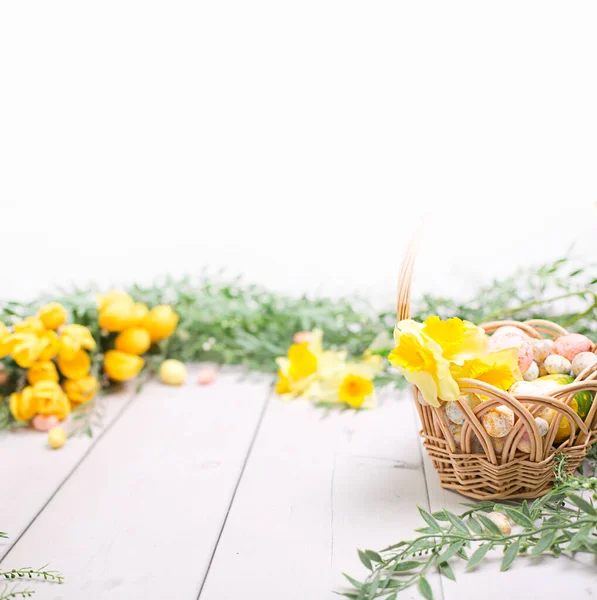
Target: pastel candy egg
[502,521]
[476,446]
[582,361]
[498,421]
[510,330]
[547,415]
[532,372]
[557,364]
[542,371]
[455,430]
[454,412]
[572,344]
[541,350]
[523,344]
[498,444]
[523,388]
[44,422]
[206,376]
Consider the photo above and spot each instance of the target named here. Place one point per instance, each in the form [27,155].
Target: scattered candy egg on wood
[557,364]
[206,376]
[498,421]
[454,412]
[541,350]
[572,344]
[44,422]
[582,361]
[532,372]
[502,521]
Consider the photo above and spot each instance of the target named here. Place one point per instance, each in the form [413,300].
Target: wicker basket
[509,473]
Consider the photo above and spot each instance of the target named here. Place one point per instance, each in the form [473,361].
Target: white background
[298,143]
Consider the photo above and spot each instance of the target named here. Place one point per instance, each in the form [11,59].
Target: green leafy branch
[563,520]
[14,592]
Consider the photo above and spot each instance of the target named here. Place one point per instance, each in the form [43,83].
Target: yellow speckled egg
[498,421]
[541,350]
[582,361]
[572,344]
[556,364]
[454,412]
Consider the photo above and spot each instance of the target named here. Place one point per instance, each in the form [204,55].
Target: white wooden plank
[31,472]
[141,516]
[543,577]
[314,490]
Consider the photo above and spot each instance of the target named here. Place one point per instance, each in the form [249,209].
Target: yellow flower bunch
[434,354]
[326,376]
[137,329]
[48,348]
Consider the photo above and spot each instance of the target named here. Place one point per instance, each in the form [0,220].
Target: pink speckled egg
[44,422]
[510,330]
[572,344]
[498,421]
[300,337]
[508,340]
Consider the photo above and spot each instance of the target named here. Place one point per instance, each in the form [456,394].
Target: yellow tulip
[76,367]
[354,390]
[4,335]
[160,322]
[56,437]
[22,405]
[53,315]
[42,371]
[30,325]
[173,372]
[74,338]
[104,300]
[140,311]
[25,348]
[50,399]
[50,345]
[134,340]
[118,315]
[121,366]
[81,390]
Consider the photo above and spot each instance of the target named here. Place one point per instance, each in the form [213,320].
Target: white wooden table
[225,492]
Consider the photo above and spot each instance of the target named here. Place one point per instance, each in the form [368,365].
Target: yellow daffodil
[50,399]
[74,338]
[82,389]
[283,385]
[121,366]
[53,315]
[302,361]
[30,325]
[76,367]
[42,371]
[459,340]
[420,360]
[499,369]
[354,389]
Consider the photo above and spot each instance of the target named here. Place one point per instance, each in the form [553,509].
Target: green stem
[510,311]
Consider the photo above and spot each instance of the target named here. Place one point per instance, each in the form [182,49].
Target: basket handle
[405,278]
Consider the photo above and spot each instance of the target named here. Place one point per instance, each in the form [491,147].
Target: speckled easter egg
[508,340]
[532,372]
[523,388]
[525,441]
[454,412]
[556,364]
[541,350]
[547,415]
[498,444]
[582,361]
[498,421]
[502,521]
[510,330]
[455,430]
[542,370]
[572,344]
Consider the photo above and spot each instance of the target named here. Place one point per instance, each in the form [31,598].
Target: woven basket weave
[509,473]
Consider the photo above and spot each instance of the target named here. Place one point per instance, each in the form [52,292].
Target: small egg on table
[498,421]
[582,361]
[502,521]
[541,350]
[556,364]
[532,372]
[572,344]
[44,422]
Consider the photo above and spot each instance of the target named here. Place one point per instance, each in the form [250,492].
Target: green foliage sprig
[564,520]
